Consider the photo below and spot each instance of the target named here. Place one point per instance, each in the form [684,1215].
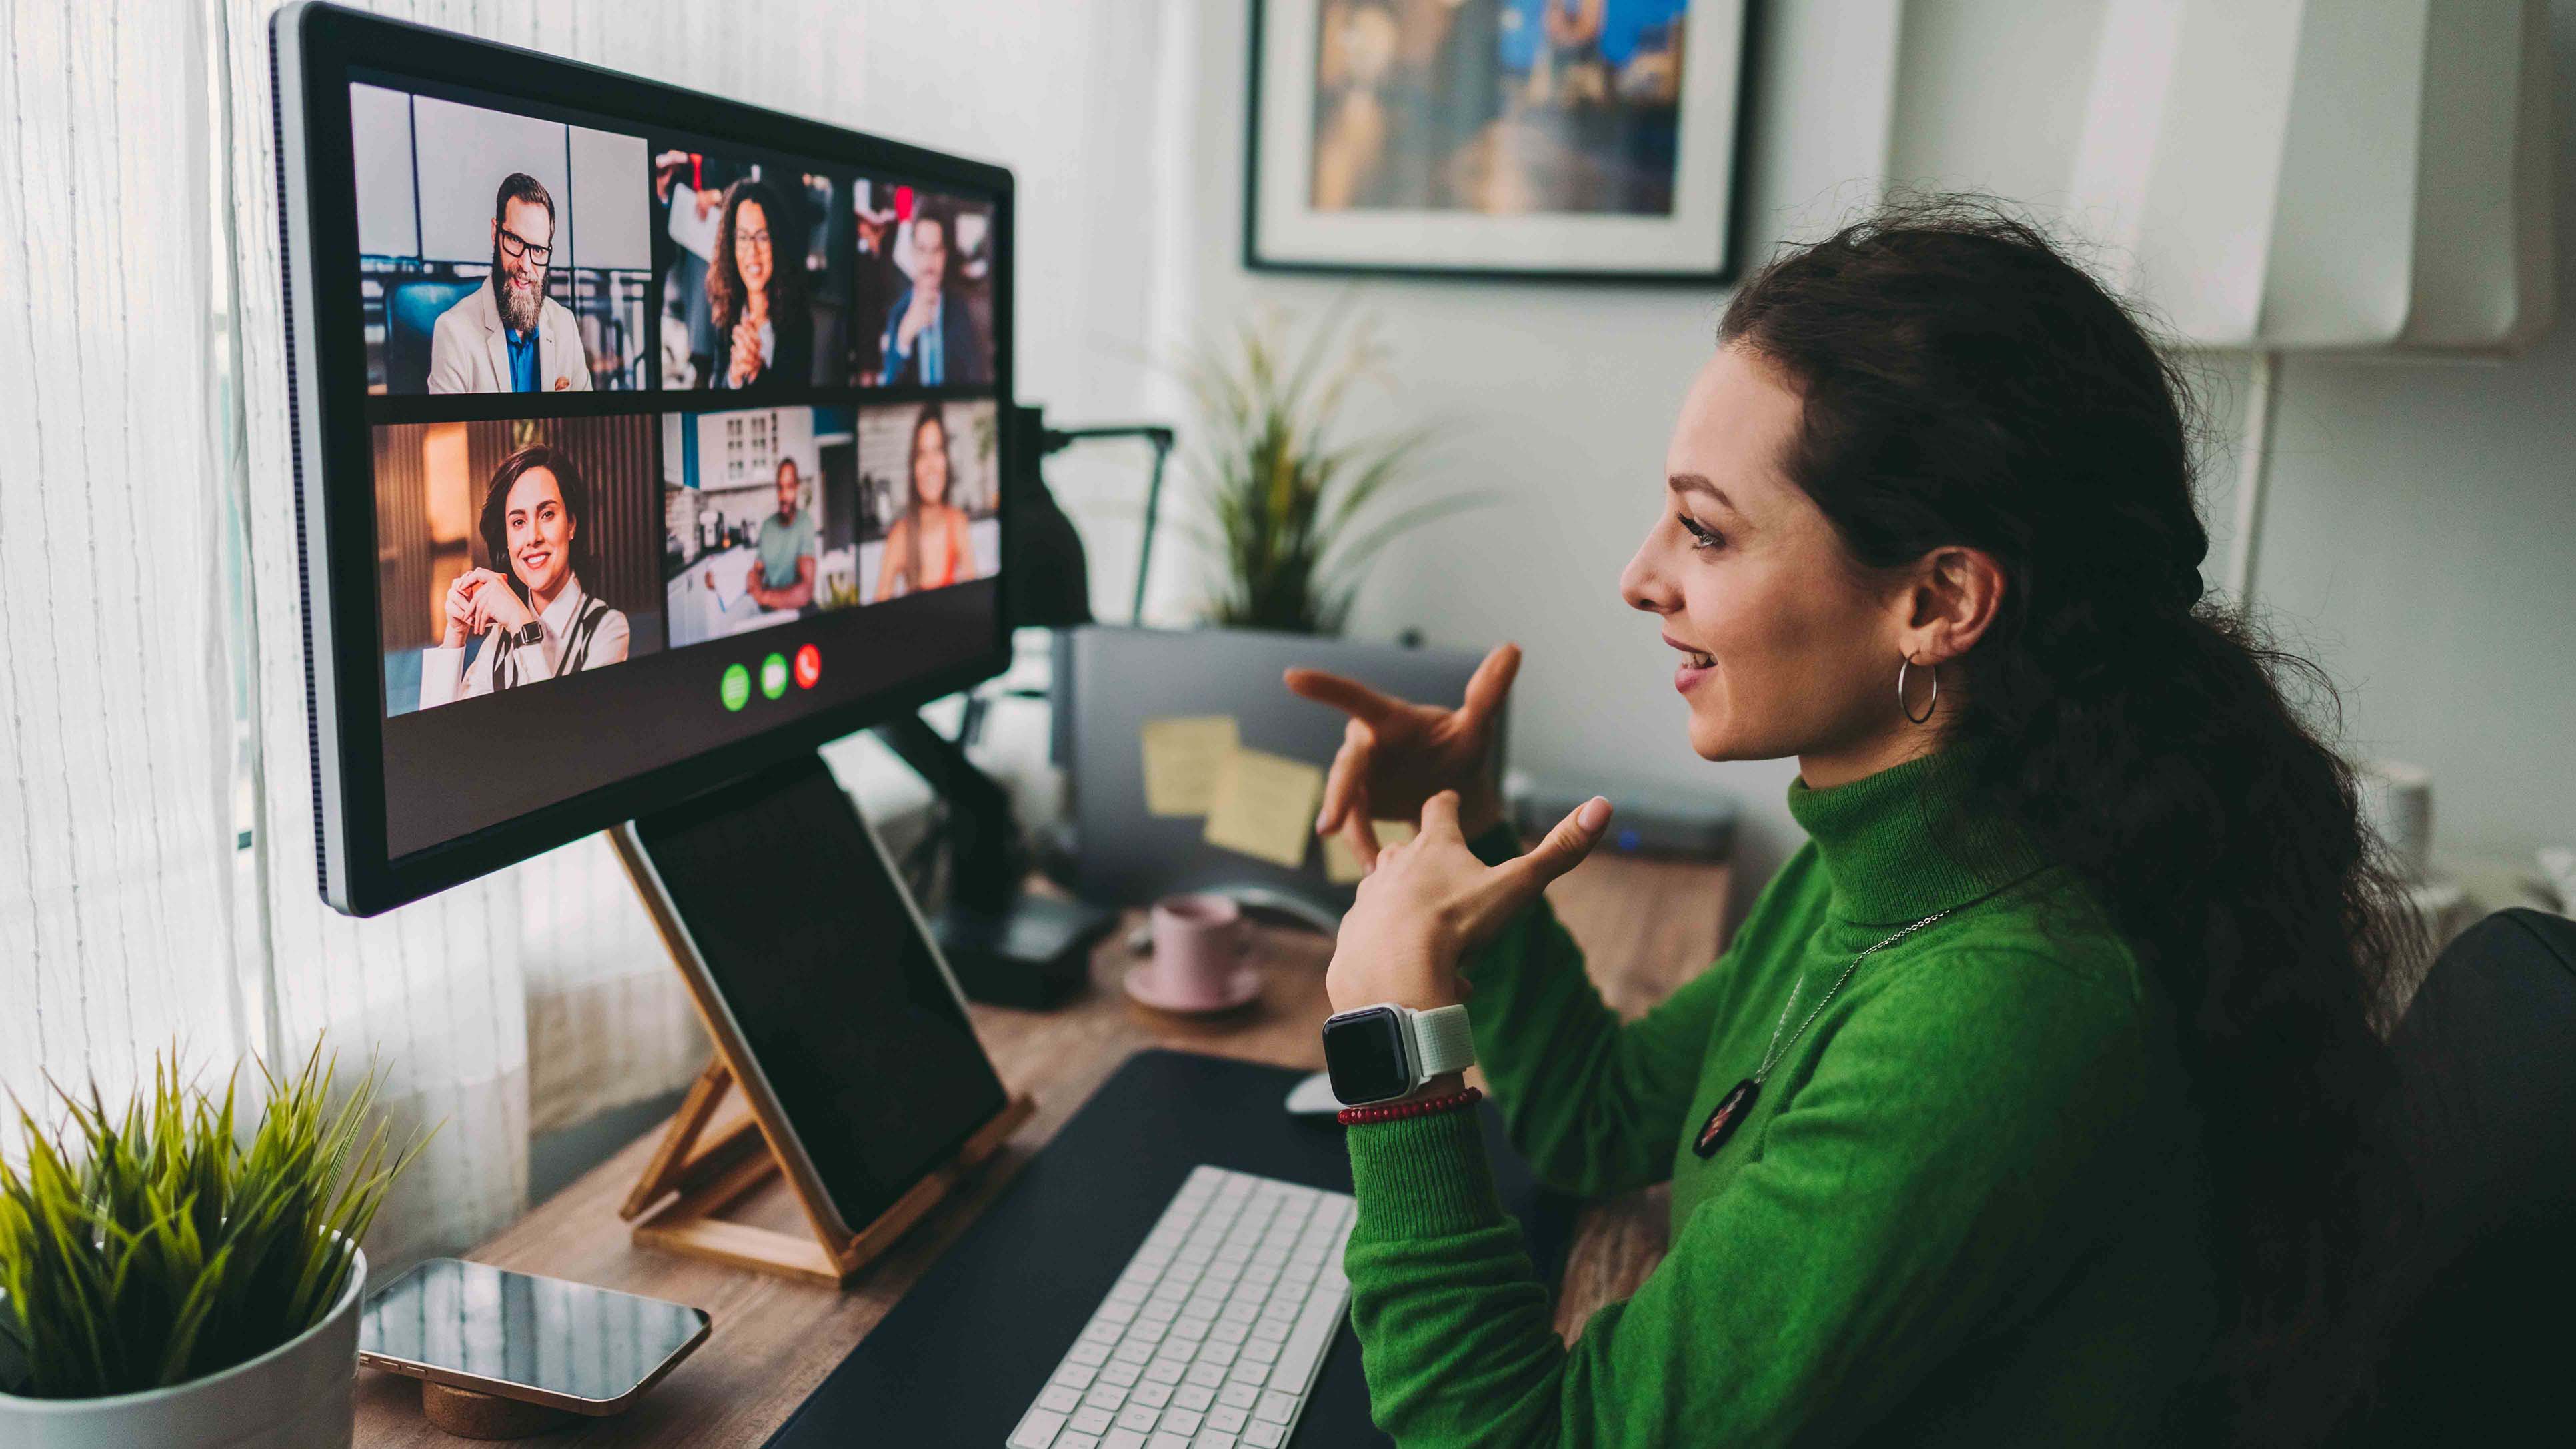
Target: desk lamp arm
[1055,440]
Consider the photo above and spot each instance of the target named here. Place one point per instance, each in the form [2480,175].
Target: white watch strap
[1443,1040]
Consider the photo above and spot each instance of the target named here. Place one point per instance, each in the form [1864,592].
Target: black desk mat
[965,1352]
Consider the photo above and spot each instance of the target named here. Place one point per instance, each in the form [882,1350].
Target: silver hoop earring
[1928,705]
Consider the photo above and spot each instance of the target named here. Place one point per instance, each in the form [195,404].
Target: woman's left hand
[1430,898]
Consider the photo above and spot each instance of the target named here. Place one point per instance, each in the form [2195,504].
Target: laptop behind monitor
[1110,681]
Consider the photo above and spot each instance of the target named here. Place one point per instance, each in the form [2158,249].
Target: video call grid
[864,387]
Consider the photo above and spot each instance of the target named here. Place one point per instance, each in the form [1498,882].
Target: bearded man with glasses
[510,336]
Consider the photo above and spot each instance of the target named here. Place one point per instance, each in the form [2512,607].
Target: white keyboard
[1211,1338]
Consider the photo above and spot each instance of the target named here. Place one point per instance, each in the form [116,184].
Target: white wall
[2422,538]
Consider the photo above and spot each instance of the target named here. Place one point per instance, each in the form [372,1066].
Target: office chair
[411,313]
[2485,1125]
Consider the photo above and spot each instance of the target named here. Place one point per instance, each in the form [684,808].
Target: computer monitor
[642,439]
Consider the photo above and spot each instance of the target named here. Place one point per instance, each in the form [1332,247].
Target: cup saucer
[1241,989]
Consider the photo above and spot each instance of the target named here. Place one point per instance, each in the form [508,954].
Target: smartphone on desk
[519,1336]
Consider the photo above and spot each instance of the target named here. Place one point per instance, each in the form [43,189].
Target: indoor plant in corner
[1295,507]
[167,1282]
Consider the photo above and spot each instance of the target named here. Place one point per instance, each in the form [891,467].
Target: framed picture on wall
[1544,139]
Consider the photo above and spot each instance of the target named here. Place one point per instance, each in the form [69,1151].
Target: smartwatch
[1379,1053]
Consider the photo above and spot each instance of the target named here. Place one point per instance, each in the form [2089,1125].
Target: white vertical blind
[115,736]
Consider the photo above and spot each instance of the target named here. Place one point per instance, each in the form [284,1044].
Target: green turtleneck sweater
[1966,1207]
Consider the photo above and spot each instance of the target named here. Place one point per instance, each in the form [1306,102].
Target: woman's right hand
[916,316]
[460,608]
[1396,754]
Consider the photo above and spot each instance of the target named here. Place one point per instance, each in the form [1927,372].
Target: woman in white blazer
[536,622]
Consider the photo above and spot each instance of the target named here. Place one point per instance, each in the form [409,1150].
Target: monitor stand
[1007,947]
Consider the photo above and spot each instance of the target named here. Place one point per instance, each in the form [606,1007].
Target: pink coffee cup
[1199,948]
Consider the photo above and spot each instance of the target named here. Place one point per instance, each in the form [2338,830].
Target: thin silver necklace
[1730,1110]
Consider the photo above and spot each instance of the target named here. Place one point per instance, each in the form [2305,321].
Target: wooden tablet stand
[675,1205]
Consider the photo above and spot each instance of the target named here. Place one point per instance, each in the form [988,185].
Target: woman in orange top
[928,547]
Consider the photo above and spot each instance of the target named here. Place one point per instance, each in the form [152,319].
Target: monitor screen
[656,437]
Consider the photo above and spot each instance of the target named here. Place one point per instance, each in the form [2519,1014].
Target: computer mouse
[1314,1097]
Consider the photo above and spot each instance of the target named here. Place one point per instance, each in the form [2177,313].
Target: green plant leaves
[159,1247]
[1293,515]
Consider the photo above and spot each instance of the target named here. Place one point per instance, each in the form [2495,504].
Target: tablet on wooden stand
[833,1014]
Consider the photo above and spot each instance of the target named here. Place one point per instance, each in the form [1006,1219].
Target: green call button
[773,675]
[735,688]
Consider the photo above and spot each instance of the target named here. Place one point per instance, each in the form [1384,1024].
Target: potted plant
[166,1281]
[1295,511]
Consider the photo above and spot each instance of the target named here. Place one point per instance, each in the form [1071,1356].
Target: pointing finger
[1346,783]
[1567,844]
[1347,695]
[1492,682]
[1360,833]
[1440,814]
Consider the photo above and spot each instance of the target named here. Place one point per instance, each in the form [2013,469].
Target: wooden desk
[1646,926]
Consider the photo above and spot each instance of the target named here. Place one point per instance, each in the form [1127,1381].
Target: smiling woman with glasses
[764,336]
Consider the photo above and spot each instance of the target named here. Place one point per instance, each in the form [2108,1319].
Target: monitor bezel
[314,48]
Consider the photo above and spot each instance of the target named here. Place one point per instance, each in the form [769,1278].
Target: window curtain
[116,847]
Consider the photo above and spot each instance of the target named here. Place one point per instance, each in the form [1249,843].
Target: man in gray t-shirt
[783,576]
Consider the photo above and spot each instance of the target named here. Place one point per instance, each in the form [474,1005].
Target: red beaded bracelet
[1398,1111]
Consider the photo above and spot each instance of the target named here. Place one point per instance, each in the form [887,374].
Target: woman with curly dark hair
[764,334]
[2028,1105]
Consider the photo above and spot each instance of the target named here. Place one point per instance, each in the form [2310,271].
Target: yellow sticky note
[1342,864]
[1182,759]
[1264,806]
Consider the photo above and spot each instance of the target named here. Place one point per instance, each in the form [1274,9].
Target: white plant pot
[299,1395]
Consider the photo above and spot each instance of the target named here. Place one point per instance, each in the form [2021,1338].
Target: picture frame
[1479,139]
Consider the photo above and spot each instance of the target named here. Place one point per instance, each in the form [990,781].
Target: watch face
[1364,1052]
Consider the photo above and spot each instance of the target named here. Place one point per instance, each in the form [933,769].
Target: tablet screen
[829,979]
